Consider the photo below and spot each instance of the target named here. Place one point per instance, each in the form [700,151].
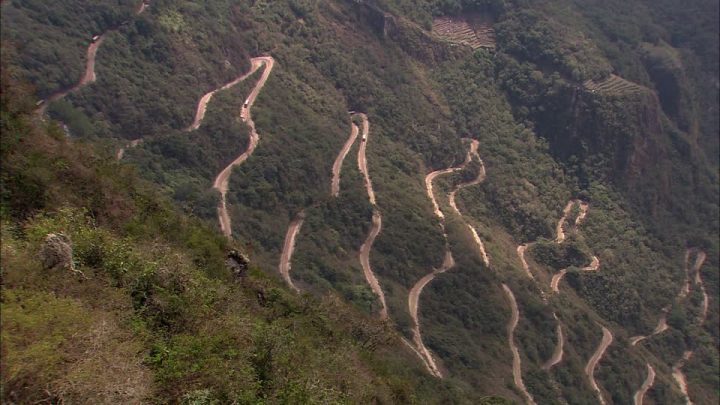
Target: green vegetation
[641,149]
[50,38]
[159,317]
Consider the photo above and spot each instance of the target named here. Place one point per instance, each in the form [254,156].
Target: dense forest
[611,106]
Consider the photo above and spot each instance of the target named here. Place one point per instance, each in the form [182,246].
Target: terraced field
[614,85]
[474,33]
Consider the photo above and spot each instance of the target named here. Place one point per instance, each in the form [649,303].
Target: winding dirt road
[699,260]
[680,377]
[362,158]
[480,245]
[521,254]
[677,373]
[429,188]
[594,265]
[559,348]
[472,152]
[376,226]
[221,181]
[87,77]
[289,247]
[583,212]
[661,327]
[89,74]
[337,166]
[205,99]
[448,263]
[554,283]
[556,280]
[592,363]
[684,291]
[199,112]
[420,355]
[365,262]
[201,107]
[517,362]
[413,299]
[560,238]
[649,380]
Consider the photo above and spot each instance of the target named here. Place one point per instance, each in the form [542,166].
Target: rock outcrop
[56,252]
[237,262]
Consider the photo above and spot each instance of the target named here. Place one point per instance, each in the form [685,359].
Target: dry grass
[66,340]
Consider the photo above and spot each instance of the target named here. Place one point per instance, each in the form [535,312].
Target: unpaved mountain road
[473,152]
[433,175]
[684,291]
[221,181]
[649,380]
[661,327]
[448,262]
[376,226]
[559,348]
[517,362]
[420,356]
[560,238]
[677,373]
[521,254]
[200,110]
[555,282]
[699,260]
[205,99]
[362,158]
[595,359]
[583,212]
[429,188]
[680,377]
[289,247]
[594,265]
[480,245]
[89,74]
[365,262]
[337,165]
[413,299]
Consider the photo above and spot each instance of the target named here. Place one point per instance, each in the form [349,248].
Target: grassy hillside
[599,102]
[157,316]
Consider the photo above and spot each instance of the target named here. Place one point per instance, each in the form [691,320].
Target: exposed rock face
[412,38]
[619,129]
[237,262]
[665,68]
[56,252]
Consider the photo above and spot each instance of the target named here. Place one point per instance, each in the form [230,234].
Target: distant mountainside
[468,201]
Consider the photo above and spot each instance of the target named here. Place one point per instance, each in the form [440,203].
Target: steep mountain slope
[155,312]
[572,103]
